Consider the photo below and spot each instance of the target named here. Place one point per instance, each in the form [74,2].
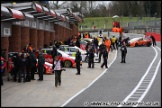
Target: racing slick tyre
[67,64]
[148,44]
[136,45]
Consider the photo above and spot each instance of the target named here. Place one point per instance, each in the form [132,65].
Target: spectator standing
[90,57]
[153,40]
[105,58]
[30,47]
[3,54]
[58,71]
[123,50]
[3,65]
[22,68]
[28,67]
[54,53]
[26,49]
[126,41]
[96,45]
[117,43]
[33,64]
[113,42]
[16,62]
[102,47]
[41,61]
[78,58]
[78,42]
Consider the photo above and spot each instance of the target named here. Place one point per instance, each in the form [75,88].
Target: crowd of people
[26,62]
[23,65]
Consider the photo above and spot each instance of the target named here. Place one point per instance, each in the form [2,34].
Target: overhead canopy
[79,14]
[47,14]
[69,13]
[31,8]
[11,15]
[77,17]
[29,16]
[59,17]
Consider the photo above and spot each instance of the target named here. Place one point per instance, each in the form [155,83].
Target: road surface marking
[144,80]
[91,82]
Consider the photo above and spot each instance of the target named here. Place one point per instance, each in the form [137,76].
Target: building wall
[33,38]
[15,39]
[40,37]
[56,26]
[25,38]
[47,37]
[52,37]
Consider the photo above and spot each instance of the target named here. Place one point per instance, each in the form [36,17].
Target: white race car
[71,50]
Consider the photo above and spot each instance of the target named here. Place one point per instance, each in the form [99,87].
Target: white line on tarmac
[91,82]
[147,89]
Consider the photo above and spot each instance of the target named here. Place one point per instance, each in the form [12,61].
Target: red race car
[67,60]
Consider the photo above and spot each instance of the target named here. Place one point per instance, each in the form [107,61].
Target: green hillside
[106,22]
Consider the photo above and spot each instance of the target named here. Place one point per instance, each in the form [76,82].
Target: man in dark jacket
[123,50]
[16,63]
[153,40]
[87,46]
[105,57]
[90,57]
[77,61]
[102,47]
[28,68]
[54,53]
[22,67]
[117,43]
[41,61]
[33,64]
[96,45]
[78,42]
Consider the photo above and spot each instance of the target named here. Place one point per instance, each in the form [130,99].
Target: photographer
[58,70]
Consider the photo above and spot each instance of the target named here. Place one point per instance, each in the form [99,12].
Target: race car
[83,44]
[139,41]
[71,50]
[67,60]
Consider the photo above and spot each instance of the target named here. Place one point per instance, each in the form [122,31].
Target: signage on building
[34,24]
[47,27]
[41,26]
[7,31]
[26,23]
[17,23]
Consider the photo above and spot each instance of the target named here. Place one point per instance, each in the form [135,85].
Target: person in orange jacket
[86,36]
[108,44]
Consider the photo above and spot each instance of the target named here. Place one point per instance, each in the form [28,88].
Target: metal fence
[149,26]
[139,26]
